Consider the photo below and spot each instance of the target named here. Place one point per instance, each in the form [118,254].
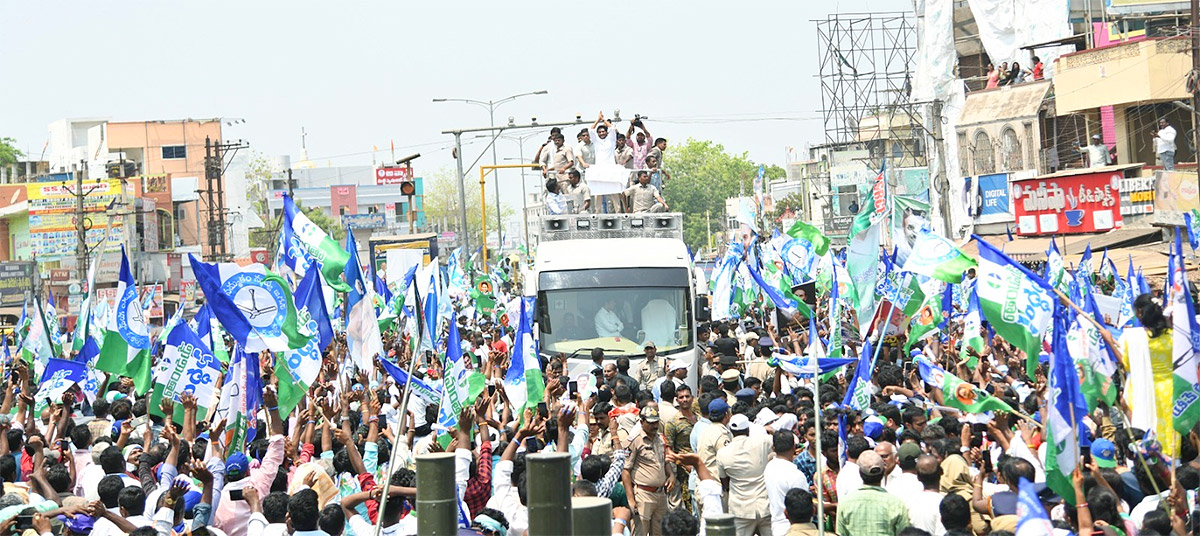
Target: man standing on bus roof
[651,368]
[608,324]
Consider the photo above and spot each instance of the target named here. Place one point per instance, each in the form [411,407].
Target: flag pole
[412,360]
[816,386]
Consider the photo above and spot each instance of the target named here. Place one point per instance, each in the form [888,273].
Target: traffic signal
[408,188]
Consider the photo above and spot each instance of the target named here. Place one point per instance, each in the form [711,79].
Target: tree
[9,153]
[703,176]
[329,224]
[794,202]
[259,172]
[441,204]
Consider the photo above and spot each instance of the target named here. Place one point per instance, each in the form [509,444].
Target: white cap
[765,416]
[739,422]
[678,364]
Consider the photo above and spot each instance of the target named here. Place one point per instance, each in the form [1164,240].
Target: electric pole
[941,183]
[214,175]
[81,249]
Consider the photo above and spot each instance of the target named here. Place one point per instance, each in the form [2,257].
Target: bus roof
[598,253]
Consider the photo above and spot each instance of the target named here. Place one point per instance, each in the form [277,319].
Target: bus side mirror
[703,309]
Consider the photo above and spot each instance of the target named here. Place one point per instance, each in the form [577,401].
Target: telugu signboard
[392,175]
[1067,204]
[16,277]
[365,221]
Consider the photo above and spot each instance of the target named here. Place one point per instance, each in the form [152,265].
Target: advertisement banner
[993,202]
[52,216]
[1083,203]
[1137,196]
[392,175]
[1175,192]
[16,277]
[154,295]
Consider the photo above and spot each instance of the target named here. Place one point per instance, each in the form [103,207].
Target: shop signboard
[365,221]
[16,277]
[1068,203]
[1137,196]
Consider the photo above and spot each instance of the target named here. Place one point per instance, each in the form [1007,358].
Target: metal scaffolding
[866,81]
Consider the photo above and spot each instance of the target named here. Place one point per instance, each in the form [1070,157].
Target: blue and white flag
[1031,515]
[523,383]
[786,306]
[305,241]
[60,375]
[1065,420]
[187,366]
[723,278]
[362,326]
[253,303]
[430,393]
[304,363]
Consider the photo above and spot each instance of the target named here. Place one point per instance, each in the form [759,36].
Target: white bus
[637,267]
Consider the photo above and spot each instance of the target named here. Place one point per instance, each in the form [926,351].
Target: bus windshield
[619,320]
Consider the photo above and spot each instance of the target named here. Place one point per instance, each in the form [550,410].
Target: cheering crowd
[982,400]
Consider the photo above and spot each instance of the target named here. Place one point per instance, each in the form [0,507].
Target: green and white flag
[261,297]
[126,348]
[187,366]
[929,315]
[972,330]
[1186,347]
[935,256]
[300,232]
[1094,368]
[1018,304]
[957,393]
[862,254]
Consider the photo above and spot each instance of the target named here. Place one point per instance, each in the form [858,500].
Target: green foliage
[259,171]
[793,202]
[329,224]
[441,201]
[703,176]
[9,154]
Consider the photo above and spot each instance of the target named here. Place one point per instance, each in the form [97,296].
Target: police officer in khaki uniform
[646,474]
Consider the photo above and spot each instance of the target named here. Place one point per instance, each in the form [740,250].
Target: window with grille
[174,152]
[1010,150]
[984,154]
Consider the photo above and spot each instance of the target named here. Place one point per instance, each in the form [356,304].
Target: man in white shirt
[1097,152]
[849,479]
[924,508]
[781,476]
[608,324]
[905,483]
[1164,144]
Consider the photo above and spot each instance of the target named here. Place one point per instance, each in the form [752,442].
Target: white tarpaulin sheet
[935,80]
[1007,25]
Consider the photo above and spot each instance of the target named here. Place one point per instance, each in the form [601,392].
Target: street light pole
[491,105]
[462,196]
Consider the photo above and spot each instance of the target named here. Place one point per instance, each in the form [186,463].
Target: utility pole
[1194,32]
[942,183]
[462,195]
[81,249]
[214,174]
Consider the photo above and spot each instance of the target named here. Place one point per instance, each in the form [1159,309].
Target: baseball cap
[1095,136]
[650,414]
[649,344]
[717,408]
[765,341]
[746,394]
[677,364]
[870,463]
[237,464]
[1104,453]
[908,451]
[739,422]
[764,417]
[873,427]
[730,375]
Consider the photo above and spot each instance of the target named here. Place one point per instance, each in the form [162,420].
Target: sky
[359,75]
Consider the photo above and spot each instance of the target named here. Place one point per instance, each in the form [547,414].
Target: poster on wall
[1175,192]
[1137,196]
[1082,203]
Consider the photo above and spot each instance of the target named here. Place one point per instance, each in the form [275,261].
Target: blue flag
[786,305]
[1031,515]
[310,304]
[60,375]
[1065,419]
[362,326]
[203,325]
[1193,229]
[208,276]
[430,393]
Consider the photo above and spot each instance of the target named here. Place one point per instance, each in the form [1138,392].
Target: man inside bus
[607,322]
